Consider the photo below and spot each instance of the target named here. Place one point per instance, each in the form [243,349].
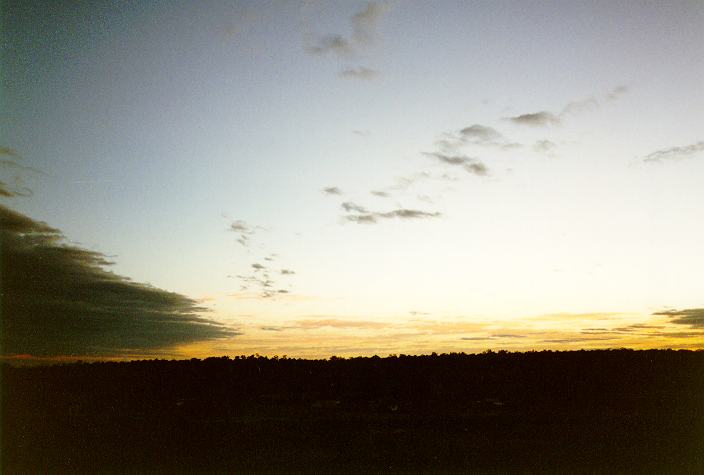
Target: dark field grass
[603,411]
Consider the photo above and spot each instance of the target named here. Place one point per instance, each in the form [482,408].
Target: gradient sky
[318,178]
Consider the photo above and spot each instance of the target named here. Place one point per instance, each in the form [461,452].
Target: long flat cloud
[675,152]
[694,317]
[59,299]
[359,214]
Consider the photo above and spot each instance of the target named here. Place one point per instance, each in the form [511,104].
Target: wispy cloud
[675,152]
[471,165]
[10,152]
[261,279]
[478,133]
[58,299]
[352,207]
[475,134]
[544,146]
[243,230]
[361,73]
[13,191]
[364,29]
[332,190]
[536,119]
[13,174]
[694,317]
[364,26]
[546,118]
[359,214]
[616,93]
[258,277]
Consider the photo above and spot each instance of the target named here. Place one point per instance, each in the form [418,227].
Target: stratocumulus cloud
[58,299]
[694,317]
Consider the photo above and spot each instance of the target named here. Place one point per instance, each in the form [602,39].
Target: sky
[346,178]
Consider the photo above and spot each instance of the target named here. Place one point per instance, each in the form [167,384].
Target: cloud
[58,299]
[475,134]
[471,165]
[536,119]
[332,190]
[10,152]
[260,277]
[352,207]
[364,23]
[616,93]
[361,73]
[380,194]
[244,231]
[364,26]
[575,340]
[365,217]
[545,118]
[675,152]
[694,317]
[11,192]
[310,324]
[478,133]
[544,146]
[578,107]
[18,174]
[332,43]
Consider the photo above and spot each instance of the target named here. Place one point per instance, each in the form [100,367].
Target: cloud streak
[673,153]
[361,73]
[58,299]
[546,118]
[360,215]
[364,27]
[471,165]
[694,317]
[536,119]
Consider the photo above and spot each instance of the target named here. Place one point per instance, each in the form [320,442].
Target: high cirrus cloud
[59,299]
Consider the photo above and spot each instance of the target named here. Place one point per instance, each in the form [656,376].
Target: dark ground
[613,411]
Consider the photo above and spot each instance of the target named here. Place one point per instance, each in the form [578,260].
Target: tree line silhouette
[618,410]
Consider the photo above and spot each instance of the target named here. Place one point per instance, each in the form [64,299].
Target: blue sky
[529,159]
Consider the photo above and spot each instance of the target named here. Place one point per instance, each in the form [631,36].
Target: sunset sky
[350,178]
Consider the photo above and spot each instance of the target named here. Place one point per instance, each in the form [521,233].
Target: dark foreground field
[572,411]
